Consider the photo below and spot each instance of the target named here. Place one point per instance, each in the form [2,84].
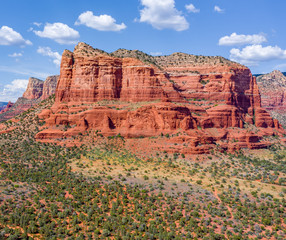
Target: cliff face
[210,99]
[37,90]
[49,87]
[34,89]
[90,76]
[273,94]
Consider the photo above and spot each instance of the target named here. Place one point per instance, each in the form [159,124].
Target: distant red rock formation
[7,107]
[34,89]
[37,90]
[210,99]
[49,87]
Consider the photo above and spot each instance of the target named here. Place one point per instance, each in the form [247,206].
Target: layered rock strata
[34,89]
[49,86]
[207,99]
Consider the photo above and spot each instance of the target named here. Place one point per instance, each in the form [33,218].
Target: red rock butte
[205,102]
[37,90]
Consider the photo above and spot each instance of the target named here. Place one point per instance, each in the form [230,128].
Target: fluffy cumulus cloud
[10,37]
[55,56]
[253,54]
[162,14]
[241,39]
[12,91]
[59,32]
[218,9]
[192,8]
[101,22]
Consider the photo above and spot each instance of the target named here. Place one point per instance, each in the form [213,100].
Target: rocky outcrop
[89,76]
[49,87]
[37,90]
[208,99]
[273,94]
[34,89]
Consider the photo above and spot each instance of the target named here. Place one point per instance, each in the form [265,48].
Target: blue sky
[33,34]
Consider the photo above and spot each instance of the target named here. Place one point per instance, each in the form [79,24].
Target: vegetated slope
[175,59]
[201,103]
[37,90]
[100,190]
[273,92]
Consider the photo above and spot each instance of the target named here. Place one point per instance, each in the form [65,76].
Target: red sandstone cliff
[49,87]
[37,90]
[34,89]
[90,76]
[210,99]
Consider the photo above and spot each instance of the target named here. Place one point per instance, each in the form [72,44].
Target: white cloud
[12,91]
[16,85]
[101,22]
[46,51]
[253,54]
[15,55]
[37,24]
[235,39]
[156,53]
[10,37]
[162,14]
[59,32]
[192,8]
[218,9]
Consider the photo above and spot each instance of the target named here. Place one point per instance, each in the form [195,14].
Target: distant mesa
[204,103]
[37,90]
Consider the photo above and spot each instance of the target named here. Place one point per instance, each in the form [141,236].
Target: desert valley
[181,137]
[124,145]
